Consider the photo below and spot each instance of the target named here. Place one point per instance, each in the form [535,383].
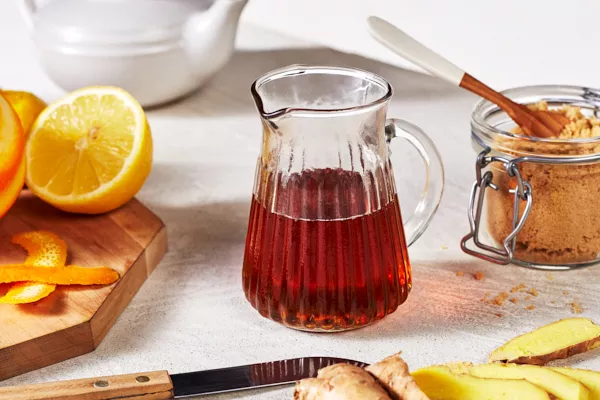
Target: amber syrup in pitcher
[326,273]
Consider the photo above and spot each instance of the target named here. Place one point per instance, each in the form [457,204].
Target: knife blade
[160,385]
[266,374]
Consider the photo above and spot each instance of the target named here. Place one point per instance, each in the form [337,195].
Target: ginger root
[393,374]
[558,385]
[591,379]
[441,383]
[340,382]
[558,340]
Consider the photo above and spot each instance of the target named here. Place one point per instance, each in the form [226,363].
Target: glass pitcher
[326,247]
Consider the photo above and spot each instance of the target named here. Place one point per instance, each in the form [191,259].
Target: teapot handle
[28,9]
[416,224]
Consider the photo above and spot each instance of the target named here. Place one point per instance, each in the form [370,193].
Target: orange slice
[27,106]
[10,193]
[12,166]
[45,250]
[12,145]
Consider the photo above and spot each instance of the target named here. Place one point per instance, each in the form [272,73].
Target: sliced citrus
[10,193]
[12,144]
[27,106]
[45,249]
[89,152]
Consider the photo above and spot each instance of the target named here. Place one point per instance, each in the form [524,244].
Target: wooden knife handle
[155,385]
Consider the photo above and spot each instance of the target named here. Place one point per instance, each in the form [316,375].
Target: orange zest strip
[70,275]
[45,249]
[27,292]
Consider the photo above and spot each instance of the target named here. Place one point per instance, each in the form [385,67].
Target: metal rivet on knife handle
[142,379]
[101,384]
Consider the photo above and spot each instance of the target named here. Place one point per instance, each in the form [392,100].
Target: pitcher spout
[209,36]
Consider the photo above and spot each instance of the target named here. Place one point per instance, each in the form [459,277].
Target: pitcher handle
[416,224]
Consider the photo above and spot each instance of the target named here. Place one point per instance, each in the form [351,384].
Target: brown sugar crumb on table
[460,273]
[479,276]
[533,292]
[518,288]
[576,307]
[501,298]
[566,292]
[530,307]
[513,300]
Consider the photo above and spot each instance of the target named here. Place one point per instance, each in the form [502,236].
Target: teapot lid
[113,21]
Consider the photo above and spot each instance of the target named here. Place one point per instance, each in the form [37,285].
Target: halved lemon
[89,152]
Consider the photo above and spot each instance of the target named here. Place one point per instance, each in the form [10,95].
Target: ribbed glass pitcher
[326,247]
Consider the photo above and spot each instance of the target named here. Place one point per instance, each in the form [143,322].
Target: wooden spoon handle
[155,385]
[517,112]
[475,86]
[401,43]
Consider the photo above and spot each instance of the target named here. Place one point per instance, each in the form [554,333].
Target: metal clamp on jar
[535,201]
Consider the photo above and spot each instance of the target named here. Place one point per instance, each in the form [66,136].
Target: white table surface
[191,314]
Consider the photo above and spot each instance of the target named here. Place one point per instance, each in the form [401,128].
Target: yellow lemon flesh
[27,106]
[89,152]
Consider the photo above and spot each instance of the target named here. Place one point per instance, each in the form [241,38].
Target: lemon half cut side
[89,152]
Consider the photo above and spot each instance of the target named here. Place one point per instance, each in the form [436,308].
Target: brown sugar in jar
[562,229]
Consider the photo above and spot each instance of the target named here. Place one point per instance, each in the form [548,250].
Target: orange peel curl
[45,249]
[69,275]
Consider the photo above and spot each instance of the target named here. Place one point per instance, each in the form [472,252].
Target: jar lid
[112,21]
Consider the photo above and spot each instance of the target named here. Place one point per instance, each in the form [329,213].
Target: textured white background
[191,314]
[505,43]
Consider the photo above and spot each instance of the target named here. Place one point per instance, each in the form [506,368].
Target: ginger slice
[70,275]
[560,339]
[393,374]
[591,379]
[340,382]
[558,385]
[45,249]
[440,383]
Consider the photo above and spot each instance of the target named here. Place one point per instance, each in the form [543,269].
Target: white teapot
[158,50]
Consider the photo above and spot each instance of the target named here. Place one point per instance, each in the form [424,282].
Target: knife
[159,385]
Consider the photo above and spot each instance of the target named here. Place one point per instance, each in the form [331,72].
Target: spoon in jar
[534,123]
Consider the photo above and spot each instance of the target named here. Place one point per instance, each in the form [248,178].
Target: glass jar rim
[487,134]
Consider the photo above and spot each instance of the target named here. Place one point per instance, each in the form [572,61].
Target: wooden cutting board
[74,320]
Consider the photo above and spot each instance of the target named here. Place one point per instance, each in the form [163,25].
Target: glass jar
[535,201]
